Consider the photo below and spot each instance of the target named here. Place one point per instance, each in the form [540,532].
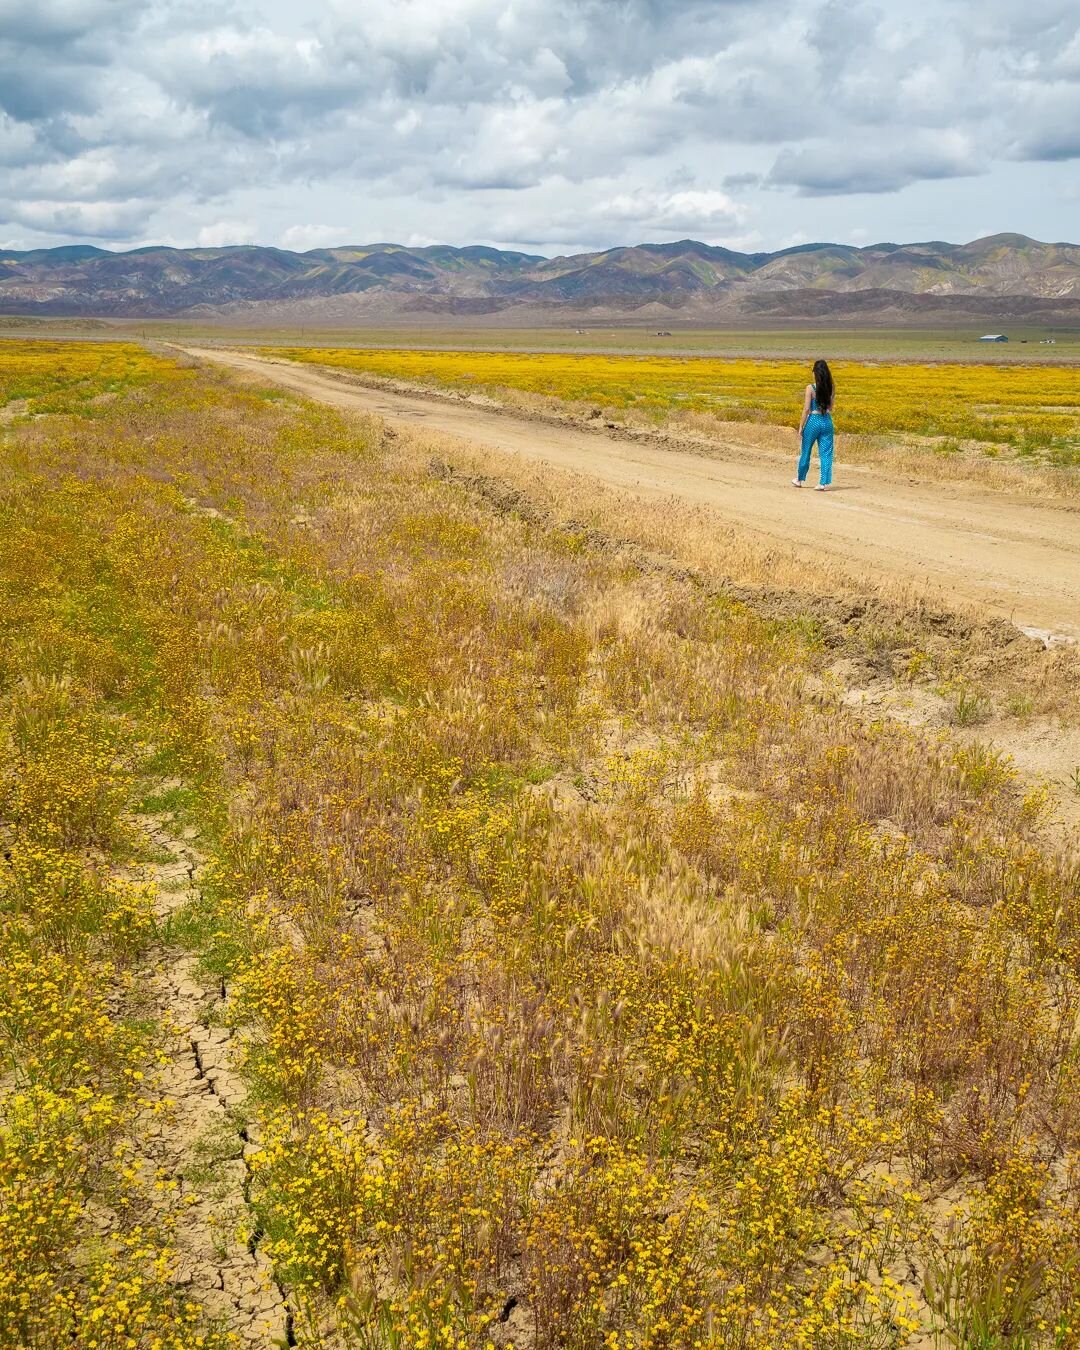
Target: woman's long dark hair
[824,389]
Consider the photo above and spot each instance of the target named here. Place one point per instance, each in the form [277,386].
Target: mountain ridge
[1004,275]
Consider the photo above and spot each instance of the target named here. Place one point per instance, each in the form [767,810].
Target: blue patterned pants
[819,429]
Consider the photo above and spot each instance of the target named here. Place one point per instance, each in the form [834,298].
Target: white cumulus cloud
[539,121]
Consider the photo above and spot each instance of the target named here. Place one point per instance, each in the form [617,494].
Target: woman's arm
[805,407]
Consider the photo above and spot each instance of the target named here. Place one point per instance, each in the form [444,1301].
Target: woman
[817,426]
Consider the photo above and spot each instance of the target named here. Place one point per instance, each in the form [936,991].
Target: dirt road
[1019,559]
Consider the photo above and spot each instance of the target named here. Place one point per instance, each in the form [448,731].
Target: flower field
[1032,409]
[69,377]
[594,978]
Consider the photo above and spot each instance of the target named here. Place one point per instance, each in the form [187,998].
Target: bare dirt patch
[195,1132]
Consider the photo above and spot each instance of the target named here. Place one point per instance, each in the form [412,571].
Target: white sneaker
[795,483]
[822,487]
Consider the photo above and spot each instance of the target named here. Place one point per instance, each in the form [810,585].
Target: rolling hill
[1003,276]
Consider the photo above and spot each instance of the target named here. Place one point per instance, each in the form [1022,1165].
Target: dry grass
[600,985]
[905,630]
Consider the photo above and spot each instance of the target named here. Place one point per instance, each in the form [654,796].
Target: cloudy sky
[549,125]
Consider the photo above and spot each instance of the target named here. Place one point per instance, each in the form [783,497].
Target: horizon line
[495,248]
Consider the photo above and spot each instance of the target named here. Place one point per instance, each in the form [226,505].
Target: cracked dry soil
[194,1131]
